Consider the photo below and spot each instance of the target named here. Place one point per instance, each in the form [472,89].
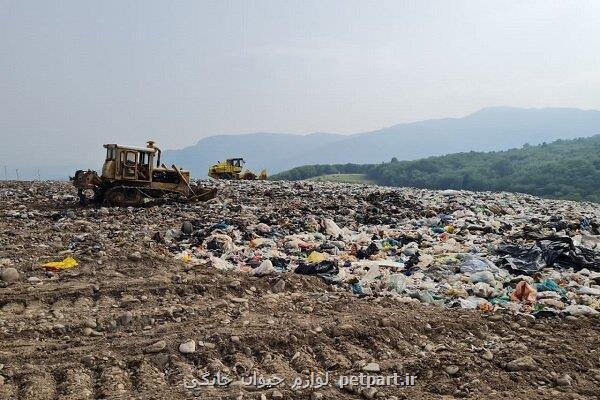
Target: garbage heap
[473,250]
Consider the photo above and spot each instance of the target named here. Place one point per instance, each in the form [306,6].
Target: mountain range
[490,129]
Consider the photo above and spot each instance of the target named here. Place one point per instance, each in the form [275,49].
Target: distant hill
[496,128]
[273,151]
[564,169]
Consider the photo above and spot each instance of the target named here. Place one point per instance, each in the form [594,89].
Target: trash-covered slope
[452,287]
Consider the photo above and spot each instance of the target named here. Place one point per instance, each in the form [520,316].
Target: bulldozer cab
[130,163]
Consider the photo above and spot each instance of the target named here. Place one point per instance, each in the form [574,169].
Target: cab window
[130,158]
[110,154]
[144,159]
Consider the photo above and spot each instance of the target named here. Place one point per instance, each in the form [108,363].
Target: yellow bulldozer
[133,176]
[233,168]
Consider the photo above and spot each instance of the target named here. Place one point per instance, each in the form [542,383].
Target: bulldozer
[134,176]
[233,168]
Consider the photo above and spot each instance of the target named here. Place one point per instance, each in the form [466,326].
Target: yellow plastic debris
[315,257]
[67,263]
[186,257]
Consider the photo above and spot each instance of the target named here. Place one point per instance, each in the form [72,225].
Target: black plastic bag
[552,252]
[324,267]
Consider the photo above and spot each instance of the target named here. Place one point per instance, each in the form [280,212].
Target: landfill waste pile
[475,294]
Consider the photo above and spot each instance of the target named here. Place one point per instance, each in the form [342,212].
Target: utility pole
[17,171]
[39,177]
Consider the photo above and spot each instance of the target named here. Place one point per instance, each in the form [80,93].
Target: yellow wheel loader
[133,176]
[233,168]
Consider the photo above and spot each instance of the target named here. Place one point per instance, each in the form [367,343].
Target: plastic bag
[324,267]
[265,268]
[67,263]
[524,292]
[397,283]
[315,257]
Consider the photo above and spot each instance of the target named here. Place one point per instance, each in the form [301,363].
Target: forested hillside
[564,169]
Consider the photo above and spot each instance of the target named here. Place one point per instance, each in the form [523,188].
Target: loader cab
[236,162]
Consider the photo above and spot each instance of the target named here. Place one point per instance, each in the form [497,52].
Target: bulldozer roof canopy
[141,149]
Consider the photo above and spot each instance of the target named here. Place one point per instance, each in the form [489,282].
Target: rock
[279,286]
[369,393]
[187,228]
[522,364]
[90,323]
[125,318]
[170,235]
[88,361]
[487,355]
[9,275]
[161,360]
[564,380]
[452,370]
[316,396]
[156,347]
[277,395]
[579,309]
[238,300]
[135,256]
[187,347]
[371,367]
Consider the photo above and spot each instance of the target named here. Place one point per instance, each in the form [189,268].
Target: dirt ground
[87,333]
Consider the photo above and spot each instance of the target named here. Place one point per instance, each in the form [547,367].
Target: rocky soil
[157,299]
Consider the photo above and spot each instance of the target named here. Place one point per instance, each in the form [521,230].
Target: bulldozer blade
[203,194]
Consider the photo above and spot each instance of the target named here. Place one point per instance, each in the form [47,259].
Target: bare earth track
[85,333]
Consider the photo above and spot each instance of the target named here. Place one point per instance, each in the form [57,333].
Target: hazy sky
[82,73]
